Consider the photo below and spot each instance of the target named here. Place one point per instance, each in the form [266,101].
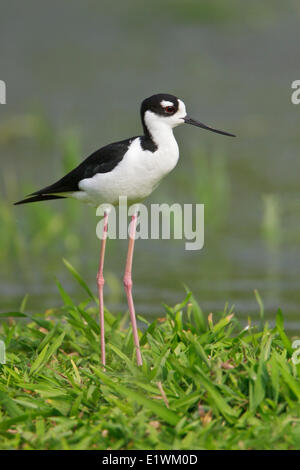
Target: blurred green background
[76,73]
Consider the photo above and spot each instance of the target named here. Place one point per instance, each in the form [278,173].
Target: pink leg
[128,288]
[100,282]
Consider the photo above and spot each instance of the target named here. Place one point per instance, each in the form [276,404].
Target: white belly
[135,177]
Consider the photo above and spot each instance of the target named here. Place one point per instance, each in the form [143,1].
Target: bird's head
[168,110]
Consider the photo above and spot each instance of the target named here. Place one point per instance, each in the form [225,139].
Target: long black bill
[193,122]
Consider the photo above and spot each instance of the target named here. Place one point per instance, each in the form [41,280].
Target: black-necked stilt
[131,168]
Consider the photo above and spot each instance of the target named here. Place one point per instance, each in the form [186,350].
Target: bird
[130,168]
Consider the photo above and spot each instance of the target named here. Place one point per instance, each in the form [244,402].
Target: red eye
[170,109]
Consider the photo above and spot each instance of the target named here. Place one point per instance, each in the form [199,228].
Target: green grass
[205,383]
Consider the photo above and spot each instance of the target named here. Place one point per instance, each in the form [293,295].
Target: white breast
[135,177]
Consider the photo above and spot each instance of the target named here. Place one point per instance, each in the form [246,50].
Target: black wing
[103,160]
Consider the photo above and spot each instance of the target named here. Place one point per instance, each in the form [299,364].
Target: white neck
[160,131]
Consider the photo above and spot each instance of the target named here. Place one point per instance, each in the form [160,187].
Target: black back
[101,161]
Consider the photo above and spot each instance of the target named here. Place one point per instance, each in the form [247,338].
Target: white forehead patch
[181,108]
[165,103]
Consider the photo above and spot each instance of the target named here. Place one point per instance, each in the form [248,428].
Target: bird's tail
[40,197]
